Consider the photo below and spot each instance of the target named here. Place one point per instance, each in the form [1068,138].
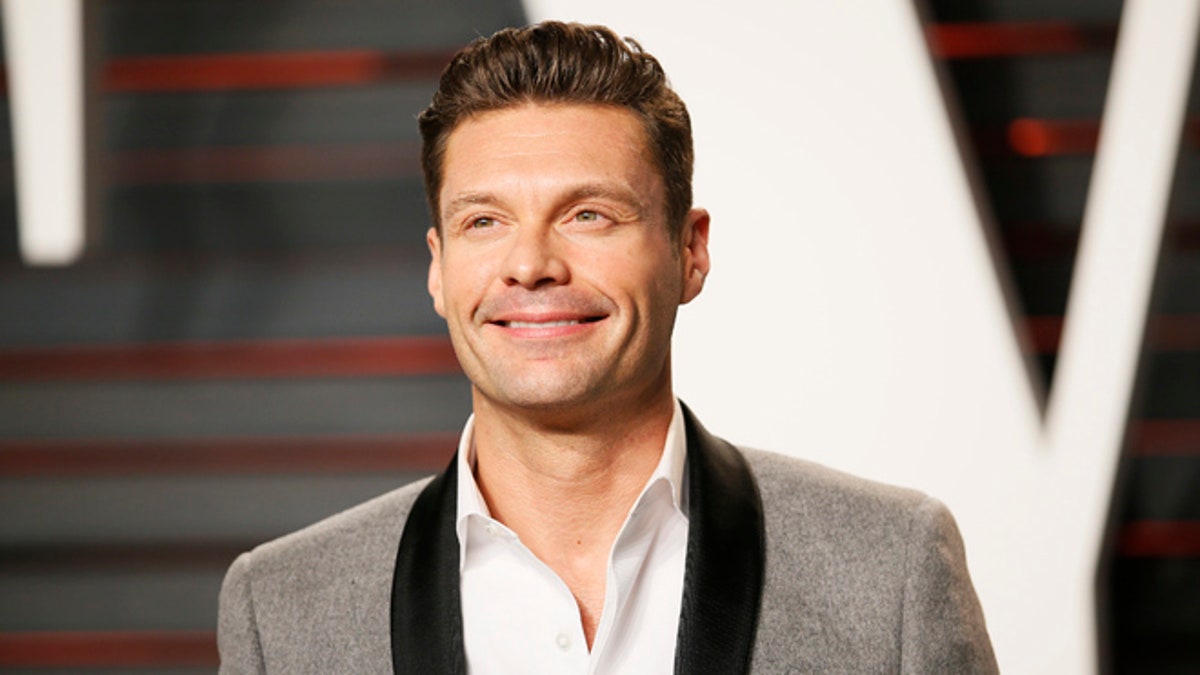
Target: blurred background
[247,345]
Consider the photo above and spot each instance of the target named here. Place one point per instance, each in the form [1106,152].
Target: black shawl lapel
[426,612]
[722,584]
[726,554]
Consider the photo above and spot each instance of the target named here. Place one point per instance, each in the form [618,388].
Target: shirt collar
[471,503]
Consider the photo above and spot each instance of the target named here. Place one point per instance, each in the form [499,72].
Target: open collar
[469,501]
[723,577]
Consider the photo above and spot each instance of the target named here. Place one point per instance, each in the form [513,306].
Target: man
[588,522]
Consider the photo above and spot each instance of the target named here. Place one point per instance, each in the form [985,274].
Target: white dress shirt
[520,617]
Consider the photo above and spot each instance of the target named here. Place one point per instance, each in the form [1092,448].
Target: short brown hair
[555,62]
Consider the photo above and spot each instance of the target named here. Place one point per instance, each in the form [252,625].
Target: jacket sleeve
[237,629]
[943,629]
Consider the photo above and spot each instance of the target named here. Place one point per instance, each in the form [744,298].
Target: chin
[546,399]
[545,395]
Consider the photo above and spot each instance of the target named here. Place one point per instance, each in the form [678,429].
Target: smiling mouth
[548,324]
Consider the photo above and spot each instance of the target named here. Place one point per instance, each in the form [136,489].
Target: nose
[534,259]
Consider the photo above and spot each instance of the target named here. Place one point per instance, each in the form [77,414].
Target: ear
[694,240]
[434,283]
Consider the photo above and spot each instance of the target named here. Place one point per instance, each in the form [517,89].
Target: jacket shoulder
[862,576]
[788,482]
[317,600]
[836,522]
[362,527]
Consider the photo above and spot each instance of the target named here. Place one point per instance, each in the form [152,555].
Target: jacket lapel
[426,612]
[722,586]
[726,554]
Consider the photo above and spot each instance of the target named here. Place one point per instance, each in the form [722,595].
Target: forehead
[551,123]
[548,145]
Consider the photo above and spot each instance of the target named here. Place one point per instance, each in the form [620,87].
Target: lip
[544,324]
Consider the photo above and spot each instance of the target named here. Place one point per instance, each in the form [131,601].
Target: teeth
[546,324]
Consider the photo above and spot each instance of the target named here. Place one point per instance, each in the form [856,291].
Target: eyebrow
[467,199]
[585,191]
[609,192]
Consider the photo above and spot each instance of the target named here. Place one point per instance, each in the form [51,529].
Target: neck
[566,491]
[585,472]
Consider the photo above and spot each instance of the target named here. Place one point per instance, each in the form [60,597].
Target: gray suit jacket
[791,568]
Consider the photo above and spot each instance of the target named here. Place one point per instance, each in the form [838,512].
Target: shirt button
[493,529]
[563,641]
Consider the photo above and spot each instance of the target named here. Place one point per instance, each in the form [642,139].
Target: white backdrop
[852,315]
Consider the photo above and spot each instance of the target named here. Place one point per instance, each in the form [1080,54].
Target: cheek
[463,285]
[452,295]
[656,287]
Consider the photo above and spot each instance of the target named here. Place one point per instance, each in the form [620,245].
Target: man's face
[556,271]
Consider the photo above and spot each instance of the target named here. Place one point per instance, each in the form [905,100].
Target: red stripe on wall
[1168,333]
[1030,137]
[214,72]
[342,357]
[1038,137]
[329,454]
[108,649]
[1026,240]
[1039,241]
[971,40]
[272,163]
[1165,438]
[1174,332]
[1045,332]
[1159,538]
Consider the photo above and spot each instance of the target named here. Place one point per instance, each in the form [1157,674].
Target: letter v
[1087,415]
